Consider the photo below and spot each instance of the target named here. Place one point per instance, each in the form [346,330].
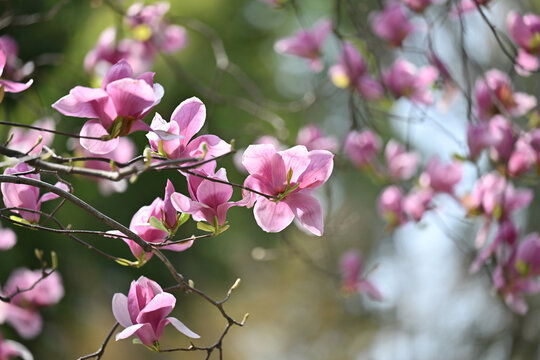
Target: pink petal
[128,331]
[157,309]
[95,129]
[131,97]
[120,310]
[214,146]
[118,71]
[308,211]
[272,217]
[367,287]
[87,103]
[27,323]
[190,116]
[182,328]
[15,87]
[295,158]
[213,193]
[257,159]
[526,63]
[320,168]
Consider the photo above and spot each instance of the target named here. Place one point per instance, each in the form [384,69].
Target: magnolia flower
[392,24]
[441,177]
[351,269]
[494,91]
[22,311]
[26,196]
[478,138]
[405,79]
[417,202]
[289,176]
[494,196]
[525,31]
[362,147]
[502,139]
[14,68]
[401,164]
[307,44]
[390,206]
[154,223]
[116,108]
[8,85]
[522,159]
[209,200]
[178,142]
[109,50]
[143,312]
[313,138]
[351,71]
[149,27]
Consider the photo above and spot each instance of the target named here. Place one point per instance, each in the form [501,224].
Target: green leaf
[205,227]
[124,262]
[158,224]
[21,220]
[182,219]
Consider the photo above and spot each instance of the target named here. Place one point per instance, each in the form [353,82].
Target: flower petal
[272,217]
[308,210]
[182,328]
[190,116]
[95,129]
[120,309]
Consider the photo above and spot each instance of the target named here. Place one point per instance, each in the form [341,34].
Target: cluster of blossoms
[150,34]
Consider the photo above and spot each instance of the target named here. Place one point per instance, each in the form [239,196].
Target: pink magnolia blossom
[390,206]
[417,5]
[441,177]
[351,269]
[405,79]
[25,196]
[144,312]
[522,158]
[351,71]
[307,44]
[150,28]
[14,69]
[8,239]
[516,276]
[265,139]
[525,31]
[494,196]
[313,138]
[25,140]
[401,164]
[505,240]
[495,94]
[417,202]
[22,311]
[8,85]
[502,139]
[142,224]
[392,24]
[186,120]
[362,147]
[124,152]
[10,349]
[478,139]
[116,109]
[290,176]
[209,200]
[109,50]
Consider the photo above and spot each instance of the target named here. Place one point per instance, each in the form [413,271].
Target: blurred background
[432,307]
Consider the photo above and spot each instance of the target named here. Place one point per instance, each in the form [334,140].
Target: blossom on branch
[307,44]
[288,177]
[351,269]
[176,140]
[116,109]
[26,196]
[525,31]
[392,24]
[8,85]
[144,312]
[405,79]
